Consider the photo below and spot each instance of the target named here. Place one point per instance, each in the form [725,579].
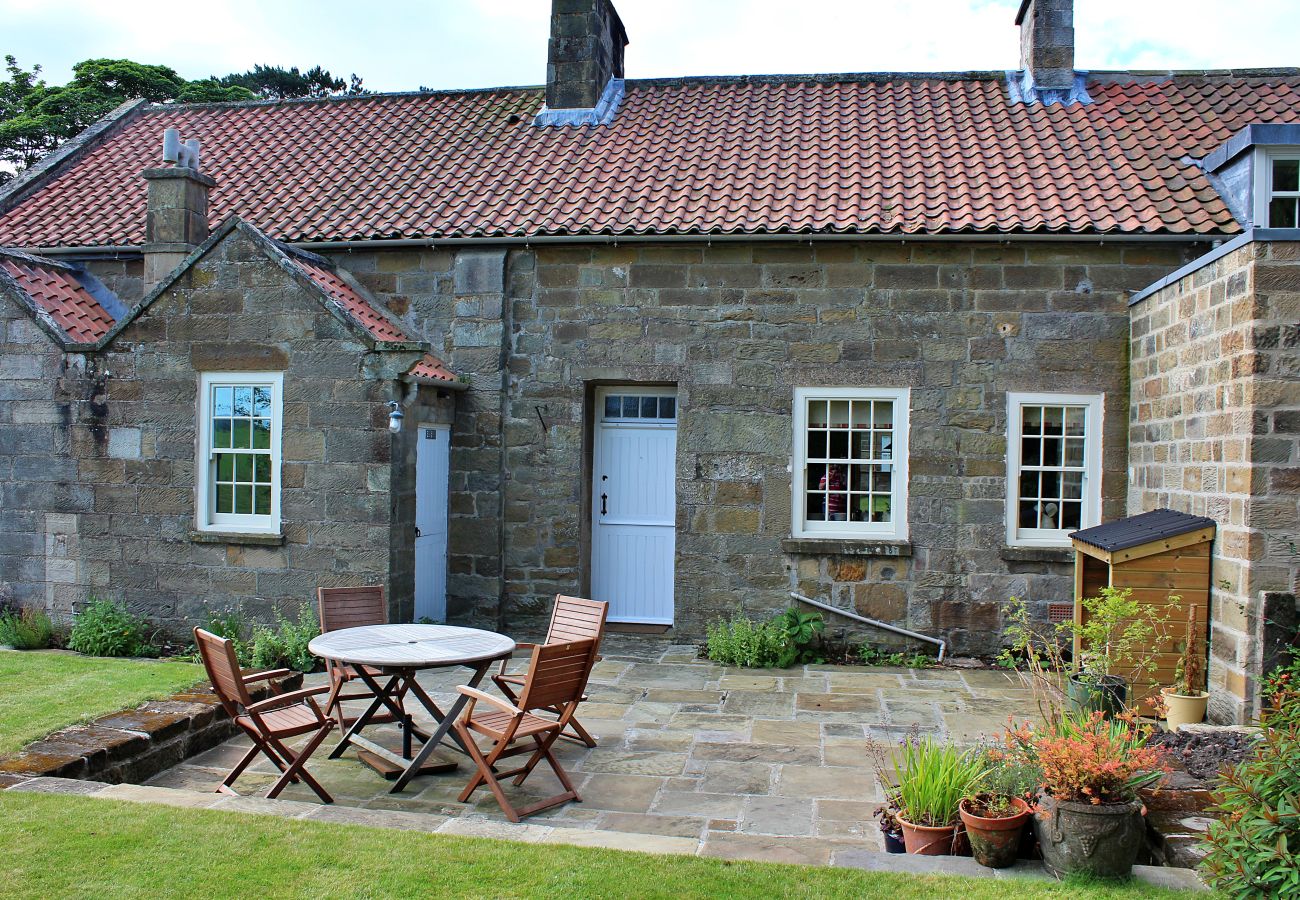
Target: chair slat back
[557,674]
[576,619]
[350,607]
[219,660]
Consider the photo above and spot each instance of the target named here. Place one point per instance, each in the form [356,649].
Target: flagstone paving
[767,764]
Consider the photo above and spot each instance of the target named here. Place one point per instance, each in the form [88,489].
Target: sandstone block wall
[1215,431]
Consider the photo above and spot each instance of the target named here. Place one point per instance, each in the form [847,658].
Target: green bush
[874,656]
[26,629]
[1254,849]
[232,625]
[107,628]
[741,641]
[284,646]
[801,631]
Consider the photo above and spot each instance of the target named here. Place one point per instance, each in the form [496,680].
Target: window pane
[1050,484]
[667,407]
[1053,420]
[225,467]
[1071,515]
[839,414]
[220,432]
[815,511]
[1281,212]
[1028,514]
[882,478]
[1286,175]
[240,434]
[1074,452]
[1031,451]
[1049,510]
[613,405]
[839,445]
[1029,484]
[262,500]
[882,445]
[631,405]
[243,499]
[1074,418]
[649,407]
[261,401]
[860,444]
[1032,420]
[262,468]
[244,467]
[221,403]
[261,434]
[860,478]
[225,498]
[884,414]
[861,416]
[243,401]
[882,509]
[1072,485]
[817,413]
[816,445]
[1052,451]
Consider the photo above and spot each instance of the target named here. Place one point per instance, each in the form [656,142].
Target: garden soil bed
[1202,755]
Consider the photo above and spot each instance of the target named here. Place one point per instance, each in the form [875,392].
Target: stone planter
[995,842]
[924,840]
[1099,840]
[1091,693]
[1184,709]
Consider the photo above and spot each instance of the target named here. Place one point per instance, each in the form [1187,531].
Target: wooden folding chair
[268,723]
[556,678]
[350,607]
[572,619]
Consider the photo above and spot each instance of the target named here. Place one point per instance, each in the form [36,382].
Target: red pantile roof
[432,369]
[381,328]
[63,293]
[890,154]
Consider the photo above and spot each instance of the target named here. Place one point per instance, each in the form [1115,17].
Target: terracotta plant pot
[1184,709]
[926,841]
[995,842]
[1099,840]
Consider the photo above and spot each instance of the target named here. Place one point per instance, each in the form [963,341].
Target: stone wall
[1215,431]
[736,326]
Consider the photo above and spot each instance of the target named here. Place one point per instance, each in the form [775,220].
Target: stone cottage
[692,344]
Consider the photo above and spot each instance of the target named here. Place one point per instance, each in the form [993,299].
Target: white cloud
[477,43]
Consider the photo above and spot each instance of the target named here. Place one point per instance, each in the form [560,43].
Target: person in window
[836,502]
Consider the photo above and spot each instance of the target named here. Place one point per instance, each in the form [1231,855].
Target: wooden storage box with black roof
[1159,555]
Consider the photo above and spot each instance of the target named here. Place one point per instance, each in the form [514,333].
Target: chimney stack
[584,55]
[177,218]
[1047,43]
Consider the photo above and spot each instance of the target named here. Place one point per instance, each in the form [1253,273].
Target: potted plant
[932,778]
[890,830]
[1117,634]
[995,815]
[1185,700]
[1088,818]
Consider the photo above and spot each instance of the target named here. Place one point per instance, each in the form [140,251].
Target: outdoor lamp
[395,417]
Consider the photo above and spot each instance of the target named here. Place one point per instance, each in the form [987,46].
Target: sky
[398,46]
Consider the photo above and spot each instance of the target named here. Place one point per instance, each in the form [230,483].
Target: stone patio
[743,763]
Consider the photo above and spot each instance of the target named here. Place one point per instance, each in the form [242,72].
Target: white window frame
[895,530]
[205,484]
[1264,157]
[1090,514]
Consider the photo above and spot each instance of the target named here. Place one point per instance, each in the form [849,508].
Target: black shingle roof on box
[1157,525]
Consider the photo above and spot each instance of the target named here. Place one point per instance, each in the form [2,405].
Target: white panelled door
[634,503]
[432,471]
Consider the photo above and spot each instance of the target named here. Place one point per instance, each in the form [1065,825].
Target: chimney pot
[176,218]
[585,52]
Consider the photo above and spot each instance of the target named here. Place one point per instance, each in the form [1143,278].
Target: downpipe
[942,645]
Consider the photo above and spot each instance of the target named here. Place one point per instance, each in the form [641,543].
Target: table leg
[444,726]
[381,699]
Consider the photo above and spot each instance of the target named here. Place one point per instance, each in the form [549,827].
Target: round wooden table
[399,652]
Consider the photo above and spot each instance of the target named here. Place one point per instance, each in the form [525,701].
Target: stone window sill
[235,537]
[1038,554]
[841,547]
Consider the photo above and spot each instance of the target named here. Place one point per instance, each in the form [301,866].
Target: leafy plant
[932,778]
[108,628]
[1091,758]
[1009,775]
[285,644]
[1254,849]
[741,641]
[801,631]
[1281,693]
[874,656]
[1189,673]
[234,625]
[1118,632]
[26,629]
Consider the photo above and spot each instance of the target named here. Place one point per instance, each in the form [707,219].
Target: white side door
[634,503]
[432,470]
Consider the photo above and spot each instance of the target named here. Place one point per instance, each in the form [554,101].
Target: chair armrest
[504,706]
[524,645]
[263,676]
[286,699]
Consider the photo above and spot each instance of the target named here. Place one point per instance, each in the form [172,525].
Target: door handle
[603,498]
[417,531]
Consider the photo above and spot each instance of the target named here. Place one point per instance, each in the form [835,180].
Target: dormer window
[1282,190]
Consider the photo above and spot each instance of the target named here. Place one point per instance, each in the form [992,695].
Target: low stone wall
[133,745]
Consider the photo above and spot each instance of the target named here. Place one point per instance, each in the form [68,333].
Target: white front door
[432,468]
[634,503]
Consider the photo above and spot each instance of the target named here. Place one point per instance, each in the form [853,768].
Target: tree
[279,83]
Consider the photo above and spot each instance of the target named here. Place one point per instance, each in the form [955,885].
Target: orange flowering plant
[1090,758]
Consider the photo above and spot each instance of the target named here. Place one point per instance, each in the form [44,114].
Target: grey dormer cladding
[1231,166]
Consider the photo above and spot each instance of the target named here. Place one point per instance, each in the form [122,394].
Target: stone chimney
[585,53]
[176,220]
[1047,43]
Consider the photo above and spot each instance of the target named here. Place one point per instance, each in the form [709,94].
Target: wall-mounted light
[395,417]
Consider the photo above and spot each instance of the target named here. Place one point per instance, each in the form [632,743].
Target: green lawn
[43,691]
[61,846]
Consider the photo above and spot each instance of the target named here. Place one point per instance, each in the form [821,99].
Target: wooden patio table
[400,652]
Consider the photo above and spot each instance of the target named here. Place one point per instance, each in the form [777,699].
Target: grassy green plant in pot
[932,778]
[1185,701]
